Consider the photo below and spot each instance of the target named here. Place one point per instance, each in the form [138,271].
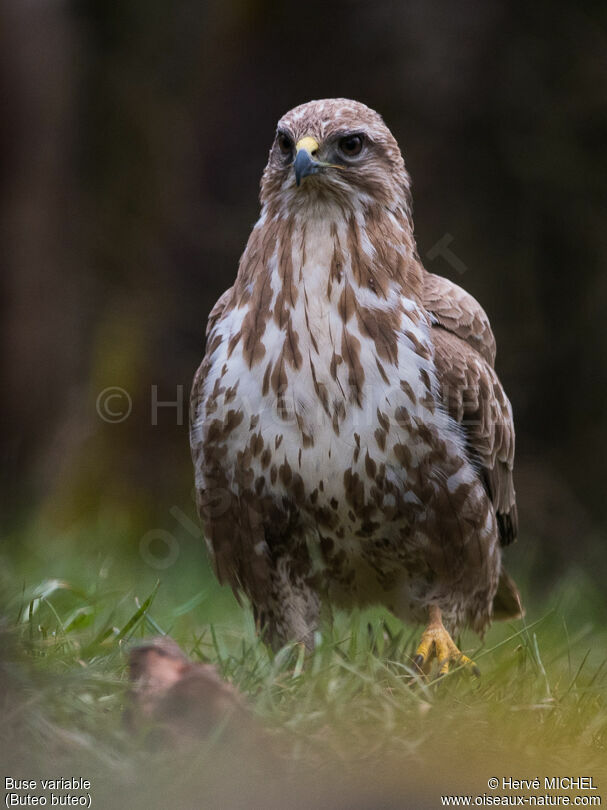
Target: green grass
[75,602]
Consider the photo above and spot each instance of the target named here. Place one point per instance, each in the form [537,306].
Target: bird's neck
[325,291]
[331,254]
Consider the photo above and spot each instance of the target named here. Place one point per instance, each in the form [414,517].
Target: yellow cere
[308,143]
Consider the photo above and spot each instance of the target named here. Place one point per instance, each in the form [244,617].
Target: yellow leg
[437,643]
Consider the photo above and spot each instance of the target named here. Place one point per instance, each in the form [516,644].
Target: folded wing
[464,356]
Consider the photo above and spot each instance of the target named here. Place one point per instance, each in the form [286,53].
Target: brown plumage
[351,439]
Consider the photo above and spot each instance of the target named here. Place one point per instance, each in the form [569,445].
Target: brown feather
[507,600]
[460,313]
[474,397]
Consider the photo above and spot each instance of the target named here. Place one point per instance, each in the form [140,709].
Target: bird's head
[334,151]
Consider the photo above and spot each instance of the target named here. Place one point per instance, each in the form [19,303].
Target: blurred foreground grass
[347,725]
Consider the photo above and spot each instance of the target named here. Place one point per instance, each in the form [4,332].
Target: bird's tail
[507,602]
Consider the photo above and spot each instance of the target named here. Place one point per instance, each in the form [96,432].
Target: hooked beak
[304,163]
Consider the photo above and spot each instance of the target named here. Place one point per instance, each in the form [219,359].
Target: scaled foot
[436,643]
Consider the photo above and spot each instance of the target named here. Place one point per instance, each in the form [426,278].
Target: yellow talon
[437,643]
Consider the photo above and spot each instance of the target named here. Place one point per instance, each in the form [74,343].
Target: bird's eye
[351,145]
[285,144]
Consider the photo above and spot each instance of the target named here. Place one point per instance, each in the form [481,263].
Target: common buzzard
[351,439]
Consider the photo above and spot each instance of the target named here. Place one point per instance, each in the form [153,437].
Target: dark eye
[351,145]
[285,144]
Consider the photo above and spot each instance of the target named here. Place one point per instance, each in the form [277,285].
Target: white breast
[317,321]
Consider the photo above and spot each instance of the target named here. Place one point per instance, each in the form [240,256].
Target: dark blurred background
[132,140]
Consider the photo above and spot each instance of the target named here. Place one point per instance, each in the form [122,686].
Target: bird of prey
[351,440]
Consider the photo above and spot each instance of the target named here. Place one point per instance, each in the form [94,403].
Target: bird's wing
[458,312]
[464,351]
[228,548]
[199,377]
[218,310]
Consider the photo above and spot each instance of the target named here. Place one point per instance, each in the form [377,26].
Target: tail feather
[507,602]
